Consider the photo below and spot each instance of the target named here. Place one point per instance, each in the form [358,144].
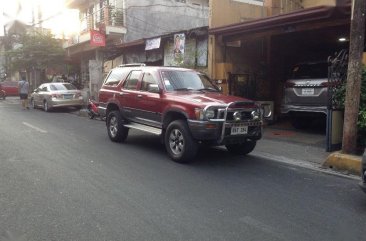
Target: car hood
[207,98]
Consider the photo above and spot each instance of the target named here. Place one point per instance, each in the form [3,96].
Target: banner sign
[97,38]
[179,42]
[152,43]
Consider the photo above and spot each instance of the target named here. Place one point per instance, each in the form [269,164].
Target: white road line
[34,127]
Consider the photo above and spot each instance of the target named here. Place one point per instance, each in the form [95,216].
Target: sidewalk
[283,142]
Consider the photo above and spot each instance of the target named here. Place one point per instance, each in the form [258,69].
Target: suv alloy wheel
[179,142]
[116,131]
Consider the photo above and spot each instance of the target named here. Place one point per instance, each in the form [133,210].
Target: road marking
[34,127]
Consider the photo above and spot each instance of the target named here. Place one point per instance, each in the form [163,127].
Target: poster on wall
[152,43]
[179,42]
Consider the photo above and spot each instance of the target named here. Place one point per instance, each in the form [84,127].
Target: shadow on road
[206,155]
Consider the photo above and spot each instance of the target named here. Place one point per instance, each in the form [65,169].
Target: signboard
[97,38]
[152,43]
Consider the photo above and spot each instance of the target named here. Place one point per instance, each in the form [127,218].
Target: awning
[316,15]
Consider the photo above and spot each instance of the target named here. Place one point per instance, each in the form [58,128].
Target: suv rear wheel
[179,142]
[242,148]
[116,131]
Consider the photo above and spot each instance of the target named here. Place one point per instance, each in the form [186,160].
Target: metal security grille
[337,75]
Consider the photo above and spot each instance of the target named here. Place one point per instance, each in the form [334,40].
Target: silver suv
[306,92]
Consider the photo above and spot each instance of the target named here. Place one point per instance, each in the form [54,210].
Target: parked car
[363,172]
[306,93]
[181,105]
[53,95]
[9,88]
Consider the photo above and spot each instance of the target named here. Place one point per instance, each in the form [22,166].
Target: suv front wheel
[241,149]
[116,131]
[179,142]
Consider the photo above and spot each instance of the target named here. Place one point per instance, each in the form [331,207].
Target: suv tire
[116,131]
[179,142]
[242,148]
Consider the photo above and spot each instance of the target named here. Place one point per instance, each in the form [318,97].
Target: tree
[34,51]
[353,88]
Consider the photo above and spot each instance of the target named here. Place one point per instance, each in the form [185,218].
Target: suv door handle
[139,96]
[121,93]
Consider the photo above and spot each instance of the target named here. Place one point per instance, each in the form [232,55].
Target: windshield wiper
[208,89]
[183,89]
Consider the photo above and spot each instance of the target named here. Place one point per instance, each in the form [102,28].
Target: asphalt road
[62,179]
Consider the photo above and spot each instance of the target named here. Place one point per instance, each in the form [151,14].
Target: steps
[149,129]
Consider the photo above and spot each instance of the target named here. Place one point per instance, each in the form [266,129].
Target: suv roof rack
[132,65]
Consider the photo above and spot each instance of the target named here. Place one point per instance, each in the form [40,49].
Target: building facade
[123,22]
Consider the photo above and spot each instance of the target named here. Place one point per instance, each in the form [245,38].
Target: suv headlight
[209,114]
[202,114]
[256,115]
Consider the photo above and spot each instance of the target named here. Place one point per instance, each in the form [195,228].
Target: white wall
[148,18]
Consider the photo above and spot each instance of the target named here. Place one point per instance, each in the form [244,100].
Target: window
[131,82]
[115,76]
[44,88]
[147,82]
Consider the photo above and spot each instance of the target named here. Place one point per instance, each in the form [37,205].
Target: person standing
[23,92]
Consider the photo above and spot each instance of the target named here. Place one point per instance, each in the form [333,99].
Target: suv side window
[147,82]
[115,76]
[132,79]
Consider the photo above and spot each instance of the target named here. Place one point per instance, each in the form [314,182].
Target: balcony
[107,19]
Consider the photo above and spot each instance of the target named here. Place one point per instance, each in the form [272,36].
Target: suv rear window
[115,76]
[310,71]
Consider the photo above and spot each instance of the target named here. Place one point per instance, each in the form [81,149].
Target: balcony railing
[105,16]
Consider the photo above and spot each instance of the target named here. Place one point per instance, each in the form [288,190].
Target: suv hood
[207,98]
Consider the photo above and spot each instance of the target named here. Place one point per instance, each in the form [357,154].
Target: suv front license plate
[308,91]
[239,129]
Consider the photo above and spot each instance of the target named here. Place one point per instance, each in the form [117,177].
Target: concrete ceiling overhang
[302,20]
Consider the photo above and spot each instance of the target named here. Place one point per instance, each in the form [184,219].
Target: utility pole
[353,87]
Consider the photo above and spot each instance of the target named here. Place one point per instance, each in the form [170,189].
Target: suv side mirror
[153,88]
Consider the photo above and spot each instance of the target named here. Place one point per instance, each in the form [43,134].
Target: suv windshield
[310,71]
[184,80]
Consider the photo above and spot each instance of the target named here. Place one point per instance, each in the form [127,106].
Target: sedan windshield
[184,80]
[62,86]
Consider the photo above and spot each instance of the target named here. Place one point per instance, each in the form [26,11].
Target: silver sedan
[53,95]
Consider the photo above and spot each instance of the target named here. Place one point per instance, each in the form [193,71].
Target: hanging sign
[97,38]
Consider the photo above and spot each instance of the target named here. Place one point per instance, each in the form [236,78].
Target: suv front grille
[245,114]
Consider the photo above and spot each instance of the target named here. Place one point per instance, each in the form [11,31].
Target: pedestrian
[23,92]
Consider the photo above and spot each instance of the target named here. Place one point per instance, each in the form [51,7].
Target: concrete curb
[344,163]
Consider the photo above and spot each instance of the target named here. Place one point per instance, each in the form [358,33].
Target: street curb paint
[344,162]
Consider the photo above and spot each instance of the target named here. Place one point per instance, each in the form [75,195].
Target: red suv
[181,105]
